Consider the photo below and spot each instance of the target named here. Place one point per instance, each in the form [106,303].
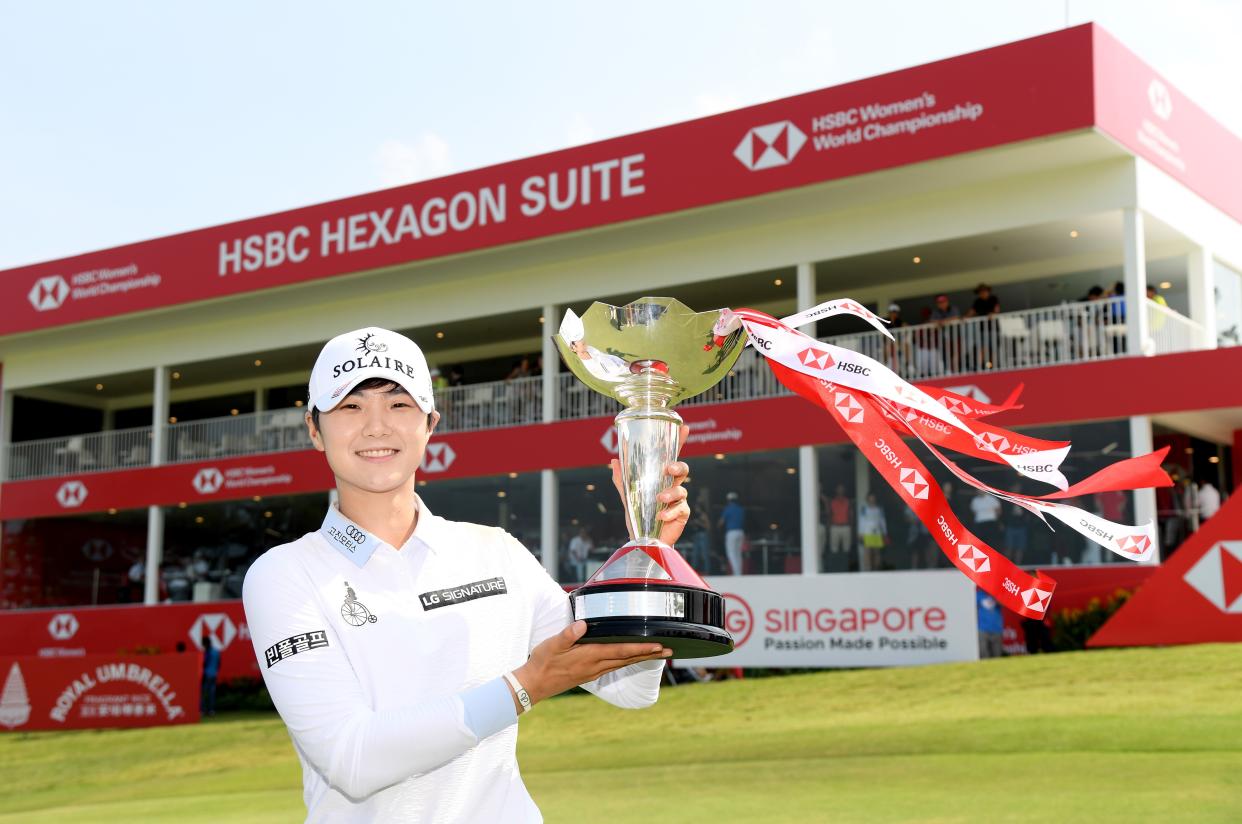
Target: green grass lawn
[1129,735]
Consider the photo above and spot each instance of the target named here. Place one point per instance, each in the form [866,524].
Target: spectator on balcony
[1156,316]
[438,381]
[986,304]
[521,369]
[899,355]
[945,315]
[456,376]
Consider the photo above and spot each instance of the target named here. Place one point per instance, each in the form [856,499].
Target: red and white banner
[869,619]
[1195,597]
[77,632]
[975,101]
[98,691]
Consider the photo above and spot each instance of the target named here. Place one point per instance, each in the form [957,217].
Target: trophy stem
[647,441]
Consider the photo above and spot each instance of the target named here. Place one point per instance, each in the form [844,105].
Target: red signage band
[975,101]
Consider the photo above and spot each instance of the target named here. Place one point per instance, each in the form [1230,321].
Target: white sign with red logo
[877,619]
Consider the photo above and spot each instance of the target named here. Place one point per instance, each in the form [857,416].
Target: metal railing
[1069,333]
[1051,335]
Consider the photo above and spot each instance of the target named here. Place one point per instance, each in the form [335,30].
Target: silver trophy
[649,355]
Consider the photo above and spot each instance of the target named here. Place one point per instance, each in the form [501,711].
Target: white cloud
[580,131]
[402,161]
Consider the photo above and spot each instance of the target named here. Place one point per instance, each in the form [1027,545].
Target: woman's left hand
[676,512]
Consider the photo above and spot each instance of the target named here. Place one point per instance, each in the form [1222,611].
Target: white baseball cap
[349,359]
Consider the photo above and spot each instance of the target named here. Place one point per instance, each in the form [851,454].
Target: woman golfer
[400,647]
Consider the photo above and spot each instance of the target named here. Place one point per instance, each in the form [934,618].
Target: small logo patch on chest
[460,594]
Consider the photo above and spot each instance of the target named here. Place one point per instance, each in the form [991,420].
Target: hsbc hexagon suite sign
[48,293]
[63,626]
[774,144]
[71,494]
[438,457]
[208,480]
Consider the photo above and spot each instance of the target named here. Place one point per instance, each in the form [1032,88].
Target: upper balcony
[1049,336]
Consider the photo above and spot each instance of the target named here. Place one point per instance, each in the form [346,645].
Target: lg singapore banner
[975,101]
[882,619]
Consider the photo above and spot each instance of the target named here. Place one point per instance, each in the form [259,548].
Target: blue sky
[122,121]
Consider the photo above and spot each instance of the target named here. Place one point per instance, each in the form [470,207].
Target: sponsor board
[96,691]
[848,620]
[82,632]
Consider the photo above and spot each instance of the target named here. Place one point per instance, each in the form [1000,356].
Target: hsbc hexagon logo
[815,358]
[71,494]
[849,407]
[218,625]
[974,558]
[1217,576]
[775,144]
[1160,99]
[438,457]
[207,481]
[48,293]
[992,442]
[914,483]
[63,626]
[1036,598]
[609,440]
[97,550]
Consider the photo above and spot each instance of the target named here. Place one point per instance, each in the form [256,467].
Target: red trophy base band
[647,592]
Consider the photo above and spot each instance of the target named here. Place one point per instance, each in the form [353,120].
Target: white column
[808,466]
[260,399]
[549,529]
[155,514]
[1144,499]
[808,497]
[1201,274]
[862,486]
[551,364]
[1134,267]
[6,432]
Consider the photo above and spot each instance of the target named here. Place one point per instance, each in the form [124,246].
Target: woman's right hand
[560,663]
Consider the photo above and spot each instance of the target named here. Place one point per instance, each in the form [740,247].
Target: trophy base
[689,620]
[685,640]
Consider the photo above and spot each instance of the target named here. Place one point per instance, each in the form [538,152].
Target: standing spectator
[456,376]
[1017,534]
[1190,504]
[872,532]
[1209,500]
[1094,318]
[580,553]
[991,625]
[733,522]
[944,315]
[986,305]
[987,512]
[211,669]
[839,529]
[700,529]
[134,582]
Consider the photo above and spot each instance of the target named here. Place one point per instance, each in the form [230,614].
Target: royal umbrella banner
[877,409]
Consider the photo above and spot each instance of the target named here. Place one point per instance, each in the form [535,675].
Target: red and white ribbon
[870,403]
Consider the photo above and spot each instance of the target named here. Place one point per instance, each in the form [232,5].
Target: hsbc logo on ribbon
[1134,544]
[71,494]
[218,625]
[208,481]
[48,293]
[765,147]
[992,442]
[914,483]
[849,407]
[63,626]
[815,358]
[438,457]
[1217,576]
[1036,598]
[974,558]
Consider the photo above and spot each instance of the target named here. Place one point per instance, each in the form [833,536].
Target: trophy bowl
[649,355]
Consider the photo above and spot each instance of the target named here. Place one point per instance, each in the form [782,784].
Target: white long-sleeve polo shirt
[387,667]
